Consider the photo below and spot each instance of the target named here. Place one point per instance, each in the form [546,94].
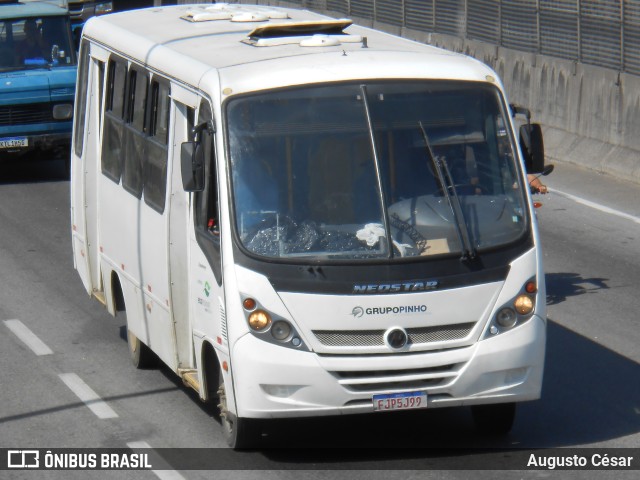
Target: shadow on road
[561,286]
[32,169]
[591,394]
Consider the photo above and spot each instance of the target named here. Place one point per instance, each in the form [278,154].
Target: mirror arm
[198,129]
[517,109]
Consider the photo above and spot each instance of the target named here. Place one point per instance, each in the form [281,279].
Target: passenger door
[206,256]
[182,108]
[85,166]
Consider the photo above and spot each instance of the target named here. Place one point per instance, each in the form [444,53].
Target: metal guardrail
[605,33]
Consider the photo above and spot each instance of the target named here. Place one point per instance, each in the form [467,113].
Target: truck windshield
[383,170]
[35,42]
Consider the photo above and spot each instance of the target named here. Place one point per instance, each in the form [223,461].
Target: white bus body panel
[277,382]
[271,383]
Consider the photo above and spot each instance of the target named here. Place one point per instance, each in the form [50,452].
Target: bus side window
[81,104]
[112,139]
[134,132]
[206,202]
[155,161]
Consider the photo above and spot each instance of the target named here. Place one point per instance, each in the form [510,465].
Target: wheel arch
[210,371]
[114,294]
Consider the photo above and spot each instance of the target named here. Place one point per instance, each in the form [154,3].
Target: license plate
[15,142]
[399,401]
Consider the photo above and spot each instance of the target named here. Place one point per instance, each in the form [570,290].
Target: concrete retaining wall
[590,115]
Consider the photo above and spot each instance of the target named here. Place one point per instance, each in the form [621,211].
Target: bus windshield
[35,42]
[383,170]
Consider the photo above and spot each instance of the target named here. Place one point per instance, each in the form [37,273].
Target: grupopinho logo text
[358,312]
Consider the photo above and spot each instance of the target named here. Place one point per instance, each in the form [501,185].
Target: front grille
[375,338]
[25,114]
[395,380]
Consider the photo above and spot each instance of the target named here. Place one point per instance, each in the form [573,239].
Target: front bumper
[273,382]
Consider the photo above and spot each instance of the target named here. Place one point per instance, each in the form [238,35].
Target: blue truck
[38,68]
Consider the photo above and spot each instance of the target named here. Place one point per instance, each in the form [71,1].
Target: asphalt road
[590,226]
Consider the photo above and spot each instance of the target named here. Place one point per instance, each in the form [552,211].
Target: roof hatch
[311,33]
[233,13]
[304,28]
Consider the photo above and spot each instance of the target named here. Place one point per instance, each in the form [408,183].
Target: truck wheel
[494,419]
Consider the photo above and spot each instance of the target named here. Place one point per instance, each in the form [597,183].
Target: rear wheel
[494,419]
[141,355]
[238,432]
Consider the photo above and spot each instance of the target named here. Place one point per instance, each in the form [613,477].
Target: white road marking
[599,207]
[165,473]
[87,395]
[29,338]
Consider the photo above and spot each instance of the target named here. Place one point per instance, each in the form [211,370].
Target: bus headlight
[523,304]
[281,330]
[506,317]
[271,327]
[259,320]
[515,312]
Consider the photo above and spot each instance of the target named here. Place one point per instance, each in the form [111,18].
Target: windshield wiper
[376,160]
[446,183]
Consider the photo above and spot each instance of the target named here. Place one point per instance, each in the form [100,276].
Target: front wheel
[494,419]
[238,432]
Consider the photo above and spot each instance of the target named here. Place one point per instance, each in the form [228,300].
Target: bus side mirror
[192,166]
[532,147]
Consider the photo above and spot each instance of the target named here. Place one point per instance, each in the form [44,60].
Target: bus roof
[255,47]
[29,9]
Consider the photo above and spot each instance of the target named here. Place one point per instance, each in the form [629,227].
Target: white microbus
[303,217]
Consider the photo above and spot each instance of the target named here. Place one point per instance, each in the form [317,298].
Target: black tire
[141,356]
[496,419]
[238,432]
